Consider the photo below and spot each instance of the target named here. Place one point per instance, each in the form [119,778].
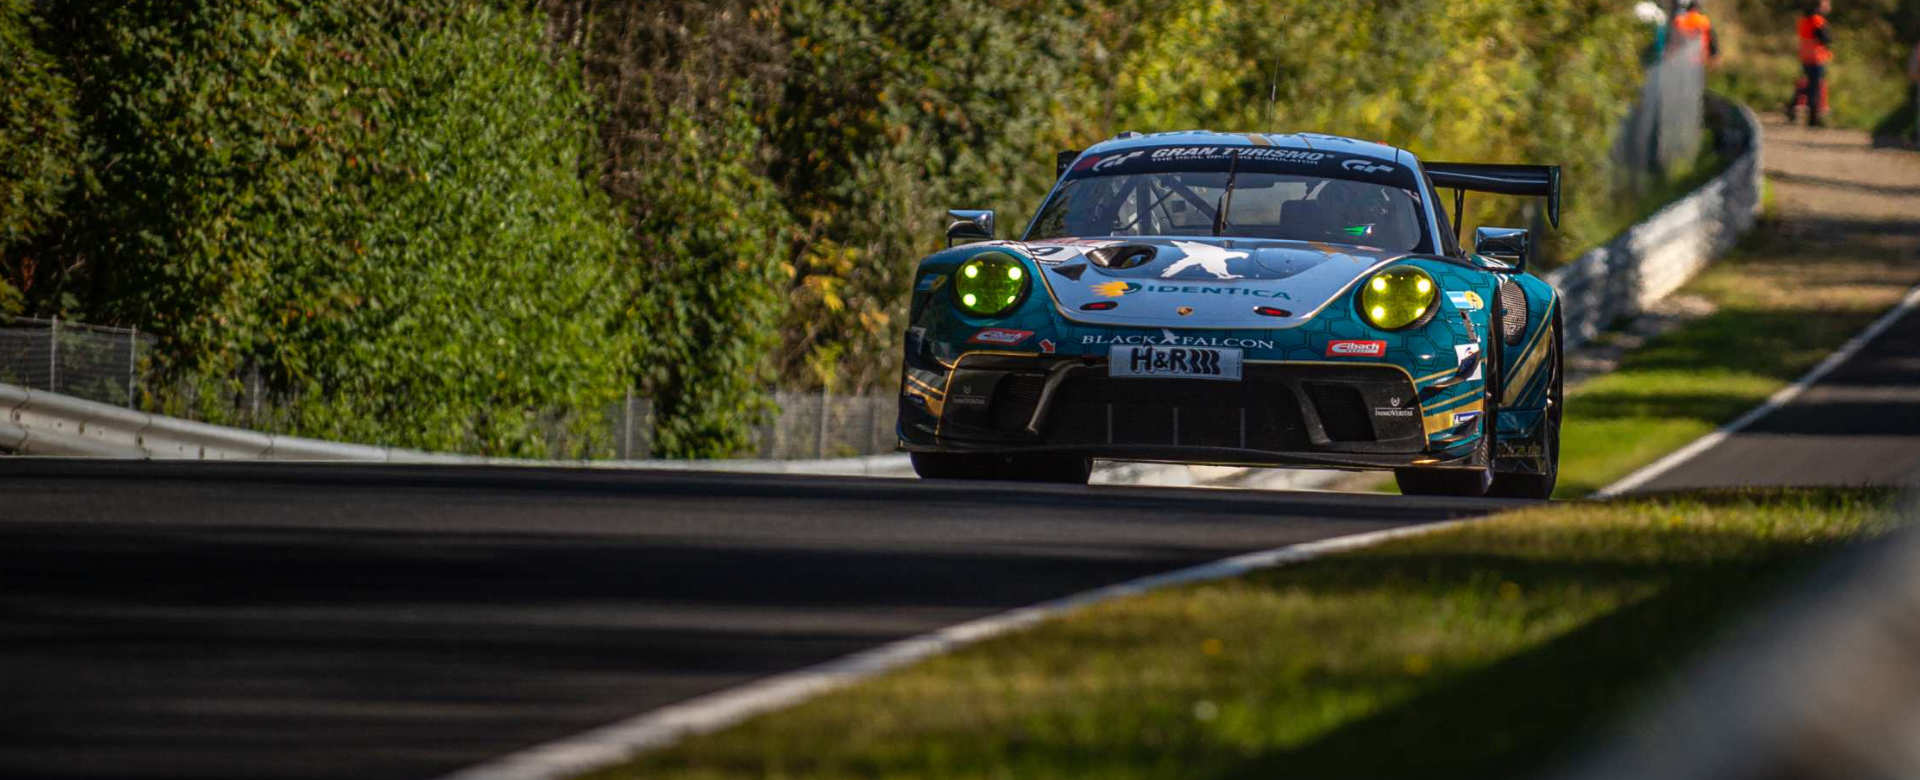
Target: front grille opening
[1343,412]
[1014,400]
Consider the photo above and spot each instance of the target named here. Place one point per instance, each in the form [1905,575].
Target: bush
[877,116]
[385,208]
[39,144]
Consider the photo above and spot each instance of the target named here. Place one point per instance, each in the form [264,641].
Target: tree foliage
[449,223]
[381,206]
[39,143]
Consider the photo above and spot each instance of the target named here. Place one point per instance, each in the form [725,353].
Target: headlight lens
[989,284]
[1397,297]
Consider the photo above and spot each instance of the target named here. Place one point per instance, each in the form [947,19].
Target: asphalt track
[1859,425]
[262,620]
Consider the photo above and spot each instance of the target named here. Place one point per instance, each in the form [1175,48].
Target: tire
[1540,486]
[949,465]
[1064,469]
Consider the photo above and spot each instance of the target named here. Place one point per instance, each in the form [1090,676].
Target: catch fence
[1661,134]
[113,366]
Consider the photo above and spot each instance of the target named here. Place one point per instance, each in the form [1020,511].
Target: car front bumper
[1291,413]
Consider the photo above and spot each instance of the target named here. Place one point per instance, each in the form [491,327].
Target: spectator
[1815,53]
[1692,25]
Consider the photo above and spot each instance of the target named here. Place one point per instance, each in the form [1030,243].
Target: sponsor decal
[1463,351]
[1046,346]
[1210,258]
[1000,336]
[1116,289]
[1259,153]
[1184,362]
[1045,251]
[925,283]
[1358,165]
[1354,348]
[1466,301]
[1102,164]
[1396,407]
[1183,311]
[1169,338]
[1462,418]
[1521,450]
[939,281]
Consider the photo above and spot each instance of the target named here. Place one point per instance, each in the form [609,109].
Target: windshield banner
[1252,159]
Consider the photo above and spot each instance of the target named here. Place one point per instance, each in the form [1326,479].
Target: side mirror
[969,225]
[1508,245]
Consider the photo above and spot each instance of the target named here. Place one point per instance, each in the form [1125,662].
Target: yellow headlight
[1397,297]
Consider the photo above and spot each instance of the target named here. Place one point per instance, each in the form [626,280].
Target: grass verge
[1783,302]
[1485,650]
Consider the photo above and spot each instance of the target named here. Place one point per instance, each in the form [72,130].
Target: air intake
[1513,313]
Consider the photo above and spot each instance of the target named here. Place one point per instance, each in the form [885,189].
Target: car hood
[1198,282]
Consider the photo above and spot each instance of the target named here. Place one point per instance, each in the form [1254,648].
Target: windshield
[1299,207]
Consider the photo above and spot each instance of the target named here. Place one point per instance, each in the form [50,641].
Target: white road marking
[1785,396]
[617,742]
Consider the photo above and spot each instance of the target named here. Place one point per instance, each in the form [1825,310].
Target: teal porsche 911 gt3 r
[1274,300]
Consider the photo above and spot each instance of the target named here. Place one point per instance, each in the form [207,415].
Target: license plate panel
[1220,364]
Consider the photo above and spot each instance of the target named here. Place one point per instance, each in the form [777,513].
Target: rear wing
[1540,181]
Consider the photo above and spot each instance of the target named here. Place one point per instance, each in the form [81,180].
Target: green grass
[1481,651]
[1783,303]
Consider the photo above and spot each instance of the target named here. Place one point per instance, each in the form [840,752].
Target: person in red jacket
[1693,25]
[1815,53]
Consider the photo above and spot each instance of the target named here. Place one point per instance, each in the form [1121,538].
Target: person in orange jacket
[1693,25]
[1815,53]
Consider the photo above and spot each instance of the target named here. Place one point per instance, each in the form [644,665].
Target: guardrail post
[821,442]
[626,426]
[133,362]
[53,357]
[253,396]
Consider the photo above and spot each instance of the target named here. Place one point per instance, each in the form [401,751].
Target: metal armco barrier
[1658,255]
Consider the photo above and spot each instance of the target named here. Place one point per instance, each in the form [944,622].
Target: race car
[1196,297]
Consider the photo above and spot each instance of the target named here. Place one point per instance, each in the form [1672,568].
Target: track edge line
[1780,398]
[622,740]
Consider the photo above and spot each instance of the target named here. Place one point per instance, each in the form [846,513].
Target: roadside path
[1835,195]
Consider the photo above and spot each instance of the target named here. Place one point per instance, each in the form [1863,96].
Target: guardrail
[1653,258]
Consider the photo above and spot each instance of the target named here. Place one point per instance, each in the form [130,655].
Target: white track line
[1785,396]
[611,744]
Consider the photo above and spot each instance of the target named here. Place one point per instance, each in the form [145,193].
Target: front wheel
[1470,483]
[1541,485]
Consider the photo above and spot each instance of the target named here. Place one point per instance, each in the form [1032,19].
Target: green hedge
[385,207]
[39,143]
[879,115]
